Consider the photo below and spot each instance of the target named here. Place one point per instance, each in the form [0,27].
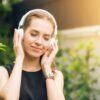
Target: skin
[28,50]
[37,36]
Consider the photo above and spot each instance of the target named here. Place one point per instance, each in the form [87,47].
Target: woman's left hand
[49,56]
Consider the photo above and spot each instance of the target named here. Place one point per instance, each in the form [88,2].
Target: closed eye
[34,34]
[47,38]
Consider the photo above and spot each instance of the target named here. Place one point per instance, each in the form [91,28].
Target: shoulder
[3,71]
[3,76]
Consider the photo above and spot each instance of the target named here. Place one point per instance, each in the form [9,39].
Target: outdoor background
[79,41]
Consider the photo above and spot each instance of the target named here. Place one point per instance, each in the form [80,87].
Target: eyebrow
[33,30]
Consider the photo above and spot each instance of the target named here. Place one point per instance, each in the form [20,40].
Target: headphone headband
[34,12]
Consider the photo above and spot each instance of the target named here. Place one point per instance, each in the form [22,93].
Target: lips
[36,49]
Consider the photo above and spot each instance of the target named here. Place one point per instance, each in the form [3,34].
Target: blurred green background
[73,62]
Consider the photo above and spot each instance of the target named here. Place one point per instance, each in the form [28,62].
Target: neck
[31,64]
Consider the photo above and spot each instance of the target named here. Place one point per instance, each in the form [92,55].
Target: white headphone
[21,23]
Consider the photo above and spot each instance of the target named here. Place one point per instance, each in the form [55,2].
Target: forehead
[41,25]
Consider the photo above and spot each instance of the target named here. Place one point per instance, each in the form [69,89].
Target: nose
[39,40]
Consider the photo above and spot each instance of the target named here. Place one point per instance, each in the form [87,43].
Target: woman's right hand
[18,47]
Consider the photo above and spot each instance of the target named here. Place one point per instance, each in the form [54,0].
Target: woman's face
[37,37]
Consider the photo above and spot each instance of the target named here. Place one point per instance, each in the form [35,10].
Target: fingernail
[15,30]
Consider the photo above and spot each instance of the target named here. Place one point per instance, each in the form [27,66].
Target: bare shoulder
[3,71]
[3,76]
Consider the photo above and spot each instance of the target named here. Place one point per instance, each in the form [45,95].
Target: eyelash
[47,39]
[33,34]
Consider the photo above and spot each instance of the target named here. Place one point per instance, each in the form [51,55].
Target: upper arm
[3,77]
[59,80]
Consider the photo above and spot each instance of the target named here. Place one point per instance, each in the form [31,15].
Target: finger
[52,54]
[56,46]
[54,50]
[15,40]
[44,58]
[20,39]
[14,35]
[46,54]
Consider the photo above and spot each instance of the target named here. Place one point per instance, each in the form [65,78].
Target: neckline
[32,71]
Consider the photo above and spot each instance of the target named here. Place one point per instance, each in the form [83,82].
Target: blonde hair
[38,13]
[42,14]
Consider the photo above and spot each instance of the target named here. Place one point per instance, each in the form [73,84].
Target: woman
[31,77]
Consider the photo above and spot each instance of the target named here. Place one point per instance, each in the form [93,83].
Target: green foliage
[6,52]
[74,63]
[7,7]
[76,67]
[2,47]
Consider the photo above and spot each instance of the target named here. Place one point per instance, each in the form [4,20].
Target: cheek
[46,47]
[26,42]
[27,39]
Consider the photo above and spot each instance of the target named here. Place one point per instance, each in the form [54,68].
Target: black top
[33,86]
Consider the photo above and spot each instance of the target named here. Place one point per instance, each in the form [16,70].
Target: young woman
[31,76]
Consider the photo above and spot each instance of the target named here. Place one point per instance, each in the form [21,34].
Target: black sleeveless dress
[33,86]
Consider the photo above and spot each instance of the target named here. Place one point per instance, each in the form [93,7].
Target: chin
[35,55]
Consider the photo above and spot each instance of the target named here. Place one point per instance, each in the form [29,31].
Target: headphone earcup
[20,31]
[52,41]
[35,11]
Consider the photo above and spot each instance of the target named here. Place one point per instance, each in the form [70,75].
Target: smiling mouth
[36,49]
